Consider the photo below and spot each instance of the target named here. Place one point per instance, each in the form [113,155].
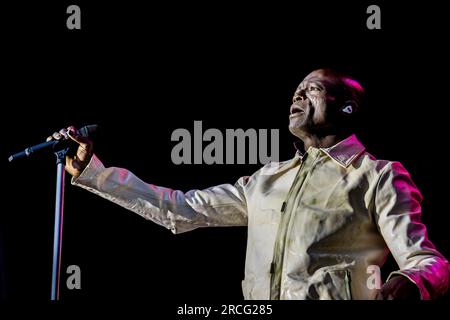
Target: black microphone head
[86,131]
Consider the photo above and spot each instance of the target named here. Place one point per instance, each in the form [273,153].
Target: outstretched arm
[222,205]
[398,210]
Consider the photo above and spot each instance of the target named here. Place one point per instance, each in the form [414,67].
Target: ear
[349,107]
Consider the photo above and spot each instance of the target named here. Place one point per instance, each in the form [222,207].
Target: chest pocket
[322,213]
[269,201]
[268,211]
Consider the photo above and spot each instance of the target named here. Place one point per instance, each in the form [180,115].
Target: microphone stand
[58,231]
[60,150]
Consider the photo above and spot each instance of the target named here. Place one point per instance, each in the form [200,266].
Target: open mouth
[296,110]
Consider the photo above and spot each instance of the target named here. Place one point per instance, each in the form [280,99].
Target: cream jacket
[317,224]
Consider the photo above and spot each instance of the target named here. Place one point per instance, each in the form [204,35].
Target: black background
[142,71]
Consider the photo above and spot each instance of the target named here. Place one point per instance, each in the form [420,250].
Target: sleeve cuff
[92,170]
[411,276]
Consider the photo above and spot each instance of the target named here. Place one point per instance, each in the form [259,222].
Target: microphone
[86,131]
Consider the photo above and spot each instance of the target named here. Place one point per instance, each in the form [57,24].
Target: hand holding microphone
[70,139]
[75,164]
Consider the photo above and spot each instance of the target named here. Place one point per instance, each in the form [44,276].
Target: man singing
[317,224]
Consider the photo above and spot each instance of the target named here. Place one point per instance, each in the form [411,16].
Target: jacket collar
[344,152]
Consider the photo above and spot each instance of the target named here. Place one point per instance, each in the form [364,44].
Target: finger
[69,162]
[49,138]
[83,155]
[76,165]
[69,166]
[78,138]
[63,132]
[72,163]
[72,130]
[57,136]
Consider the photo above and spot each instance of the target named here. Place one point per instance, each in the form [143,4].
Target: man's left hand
[399,288]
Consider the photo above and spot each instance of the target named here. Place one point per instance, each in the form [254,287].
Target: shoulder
[380,166]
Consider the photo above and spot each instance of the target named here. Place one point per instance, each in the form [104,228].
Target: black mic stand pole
[58,231]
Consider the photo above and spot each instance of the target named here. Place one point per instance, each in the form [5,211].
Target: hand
[399,288]
[75,164]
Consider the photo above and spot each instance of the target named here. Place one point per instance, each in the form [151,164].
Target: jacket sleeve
[222,205]
[397,205]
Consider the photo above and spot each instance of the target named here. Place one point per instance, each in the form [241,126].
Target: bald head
[338,85]
[325,104]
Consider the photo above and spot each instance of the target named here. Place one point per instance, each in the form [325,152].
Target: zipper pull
[305,156]
[272,268]
[283,207]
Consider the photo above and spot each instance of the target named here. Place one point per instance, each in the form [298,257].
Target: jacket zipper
[347,280]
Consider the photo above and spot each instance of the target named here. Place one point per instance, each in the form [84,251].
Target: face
[312,105]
